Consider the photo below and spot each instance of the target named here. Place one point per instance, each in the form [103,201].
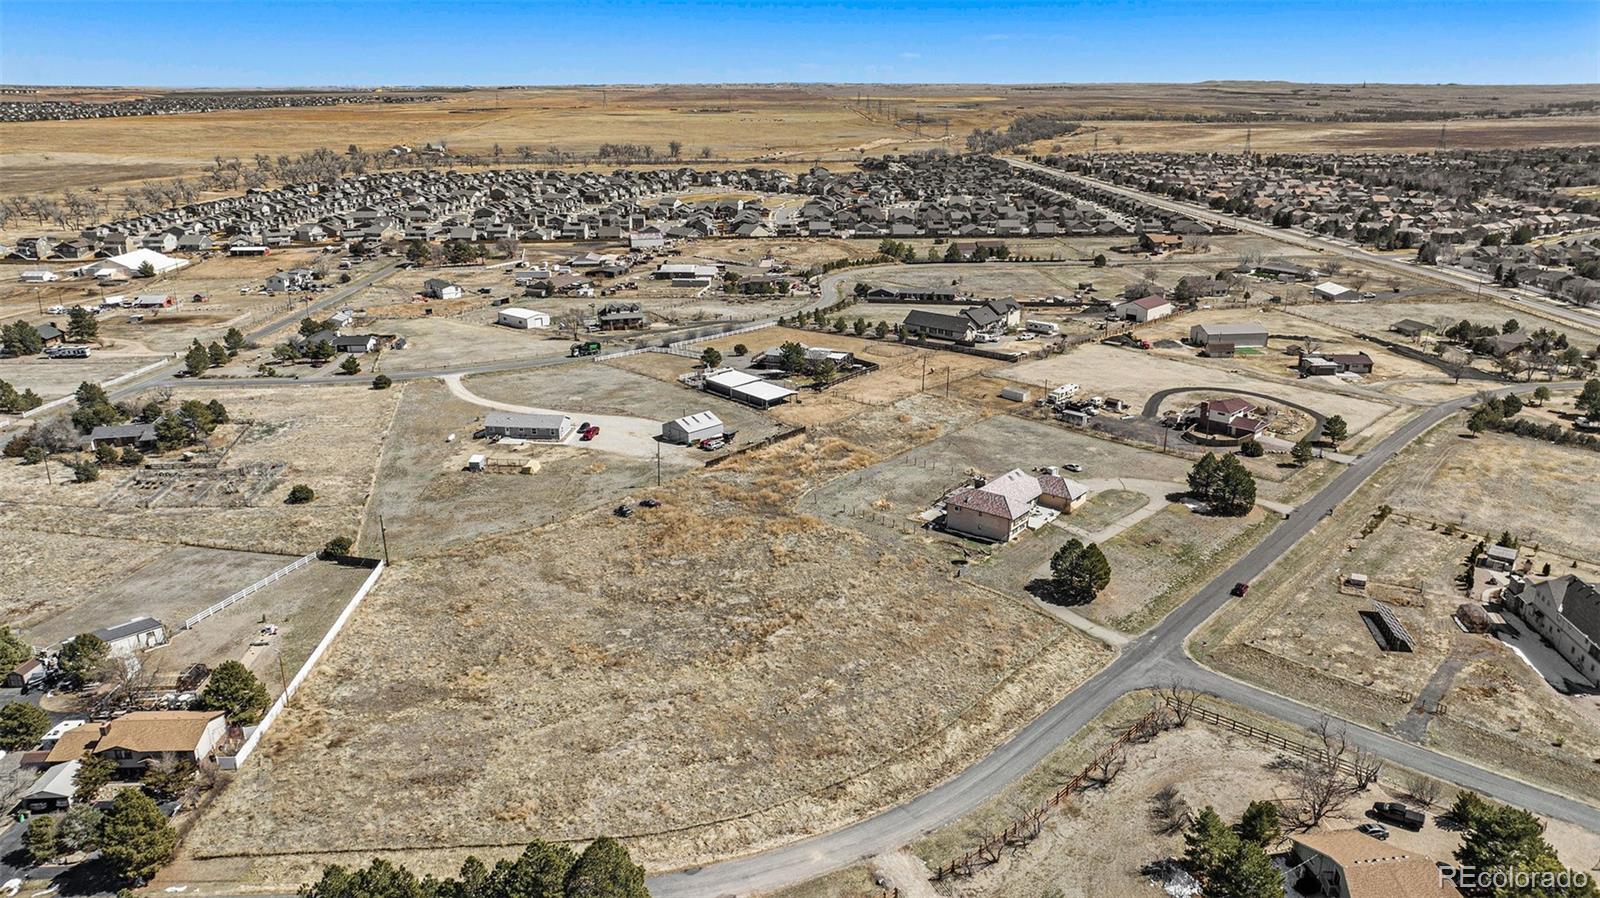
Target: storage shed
[692,428]
[522,318]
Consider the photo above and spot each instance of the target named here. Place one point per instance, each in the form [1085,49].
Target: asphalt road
[1154,659]
[1449,277]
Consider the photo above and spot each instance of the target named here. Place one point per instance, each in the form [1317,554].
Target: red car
[1239,589]
[590,434]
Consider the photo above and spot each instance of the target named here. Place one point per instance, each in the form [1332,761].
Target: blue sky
[370,42]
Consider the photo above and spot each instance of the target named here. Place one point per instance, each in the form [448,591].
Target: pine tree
[604,870]
[135,837]
[235,691]
[1246,872]
[1260,824]
[40,840]
[1207,845]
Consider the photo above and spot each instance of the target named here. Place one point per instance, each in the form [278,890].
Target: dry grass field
[771,123]
[761,685]
[1473,482]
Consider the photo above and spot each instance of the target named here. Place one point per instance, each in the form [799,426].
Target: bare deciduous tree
[1180,700]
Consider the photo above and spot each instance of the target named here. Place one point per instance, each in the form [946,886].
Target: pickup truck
[1400,815]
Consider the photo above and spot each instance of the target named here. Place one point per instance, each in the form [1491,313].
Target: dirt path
[904,873]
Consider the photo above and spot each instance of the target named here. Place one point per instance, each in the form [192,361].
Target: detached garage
[692,428]
[1204,335]
[522,318]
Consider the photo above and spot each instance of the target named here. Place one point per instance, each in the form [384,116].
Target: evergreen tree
[1260,824]
[196,360]
[81,655]
[1207,845]
[605,870]
[1246,872]
[94,771]
[13,650]
[235,691]
[135,837]
[40,840]
[217,355]
[22,725]
[81,325]
[233,340]
[1237,493]
[1078,572]
[1335,430]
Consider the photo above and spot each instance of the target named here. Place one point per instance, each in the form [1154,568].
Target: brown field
[719,691]
[772,123]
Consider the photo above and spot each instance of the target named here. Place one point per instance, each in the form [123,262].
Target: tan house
[996,511]
[142,738]
[1349,864]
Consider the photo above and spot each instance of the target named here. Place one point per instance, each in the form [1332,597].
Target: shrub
[382,382]
[300,494]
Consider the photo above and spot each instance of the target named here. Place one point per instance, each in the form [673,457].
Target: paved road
[1152,660]
[1448,276]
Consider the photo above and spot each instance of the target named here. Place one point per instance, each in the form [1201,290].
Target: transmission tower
[1247,144]
[1441,137]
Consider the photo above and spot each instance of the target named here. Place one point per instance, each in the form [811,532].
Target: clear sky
[236,43]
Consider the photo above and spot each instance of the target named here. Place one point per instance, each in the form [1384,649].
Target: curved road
[1154,659]
[1152,406]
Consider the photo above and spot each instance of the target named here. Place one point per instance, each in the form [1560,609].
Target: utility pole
[658,464]
[383,535]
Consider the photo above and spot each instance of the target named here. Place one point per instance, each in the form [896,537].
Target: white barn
[692,428]
[1331,291]
[522,318]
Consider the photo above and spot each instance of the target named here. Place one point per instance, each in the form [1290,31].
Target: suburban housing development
[805,489]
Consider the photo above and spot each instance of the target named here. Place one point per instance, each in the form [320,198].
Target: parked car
[649,503]
[590,434]
[623,511]
[1375,830]
[1074,467]
[1239,589]
[584,427]
[1400,815]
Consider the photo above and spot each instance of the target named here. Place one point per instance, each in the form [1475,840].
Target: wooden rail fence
[1027,826]
[1271,740]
